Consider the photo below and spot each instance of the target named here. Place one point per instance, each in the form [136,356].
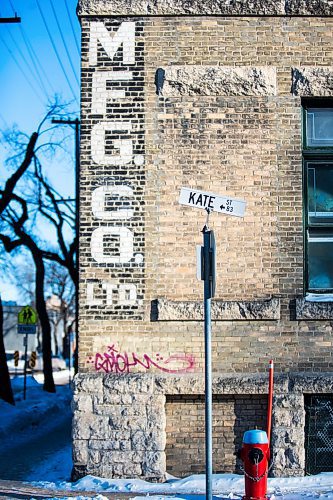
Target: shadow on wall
[185,430]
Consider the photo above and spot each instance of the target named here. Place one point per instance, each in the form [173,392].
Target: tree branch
[12,181]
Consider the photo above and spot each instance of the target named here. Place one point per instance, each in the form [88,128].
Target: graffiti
[114,361]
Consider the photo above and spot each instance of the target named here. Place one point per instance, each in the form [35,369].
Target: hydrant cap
[255,437]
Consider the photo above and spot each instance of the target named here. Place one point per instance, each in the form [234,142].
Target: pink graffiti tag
[115,362]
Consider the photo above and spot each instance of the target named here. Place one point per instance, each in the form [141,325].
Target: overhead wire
[56,51]
[73,30]
[35,75]
[21,69]
[28,45]
[33,57]
[64,43]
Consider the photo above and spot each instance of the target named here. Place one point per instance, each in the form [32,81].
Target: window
[318,185]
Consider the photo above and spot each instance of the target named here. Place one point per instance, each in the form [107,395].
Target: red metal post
[270,400]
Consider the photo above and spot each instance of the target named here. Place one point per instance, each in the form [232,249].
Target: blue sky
[30,71]
[39,58]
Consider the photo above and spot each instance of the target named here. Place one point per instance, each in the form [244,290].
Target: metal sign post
[27,319]
[25,365]
[206,271]
[209,289]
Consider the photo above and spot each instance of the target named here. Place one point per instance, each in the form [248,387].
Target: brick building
[234,98]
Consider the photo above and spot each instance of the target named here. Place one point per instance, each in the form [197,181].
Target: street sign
[214,202]
[27,316]
[27,329]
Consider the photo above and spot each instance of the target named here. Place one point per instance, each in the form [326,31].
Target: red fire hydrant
[255,455]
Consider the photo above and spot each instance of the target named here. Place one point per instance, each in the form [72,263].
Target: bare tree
[6,193]
[61,305]
[19,217]
[15,220]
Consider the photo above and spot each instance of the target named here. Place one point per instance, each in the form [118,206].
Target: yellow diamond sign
[27,316]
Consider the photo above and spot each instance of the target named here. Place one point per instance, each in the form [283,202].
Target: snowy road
[22,461]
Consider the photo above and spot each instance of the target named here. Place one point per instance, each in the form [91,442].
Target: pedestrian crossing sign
[27,316]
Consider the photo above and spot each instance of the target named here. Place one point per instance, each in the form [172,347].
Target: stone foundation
[120,424]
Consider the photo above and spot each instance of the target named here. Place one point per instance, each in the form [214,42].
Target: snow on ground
[52,472]
[32,415]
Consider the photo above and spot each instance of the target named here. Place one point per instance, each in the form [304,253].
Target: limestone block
[94,456]
[317,383]
[90,426]
[80,451]
[222,384]
[314,310]
[104,444]
[288,411]
[153,440]
[90,383]
[154,465]
[173,384]
[168,310]
[114,398]
[288,461]
[313,81]
[219,80]
[178,7]
[309,7]
[288,434]
[242,384]
[121,411]
[156,418]
[82,402]
[118,470]
[128,384]
[132,470]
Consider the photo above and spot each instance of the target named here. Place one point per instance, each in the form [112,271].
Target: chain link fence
[318,433]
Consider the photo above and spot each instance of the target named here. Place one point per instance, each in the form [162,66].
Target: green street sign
[27,316]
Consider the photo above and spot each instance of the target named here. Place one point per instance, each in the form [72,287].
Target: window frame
[312,154]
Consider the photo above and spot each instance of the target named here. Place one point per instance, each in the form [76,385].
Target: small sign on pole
[212,202]
[26,324]
[26,329]
[27,316]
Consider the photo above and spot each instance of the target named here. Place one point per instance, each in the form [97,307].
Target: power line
[64,42]
[72,26]
[28,44]
[56,51]
[34,59]
[22,70]
[35,75]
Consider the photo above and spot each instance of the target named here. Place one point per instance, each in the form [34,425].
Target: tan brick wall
[185,430]
[247,147]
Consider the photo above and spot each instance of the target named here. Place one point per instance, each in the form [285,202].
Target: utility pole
[76,124]
[6,20]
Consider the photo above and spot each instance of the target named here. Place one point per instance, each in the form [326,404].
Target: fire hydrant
[255,455]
